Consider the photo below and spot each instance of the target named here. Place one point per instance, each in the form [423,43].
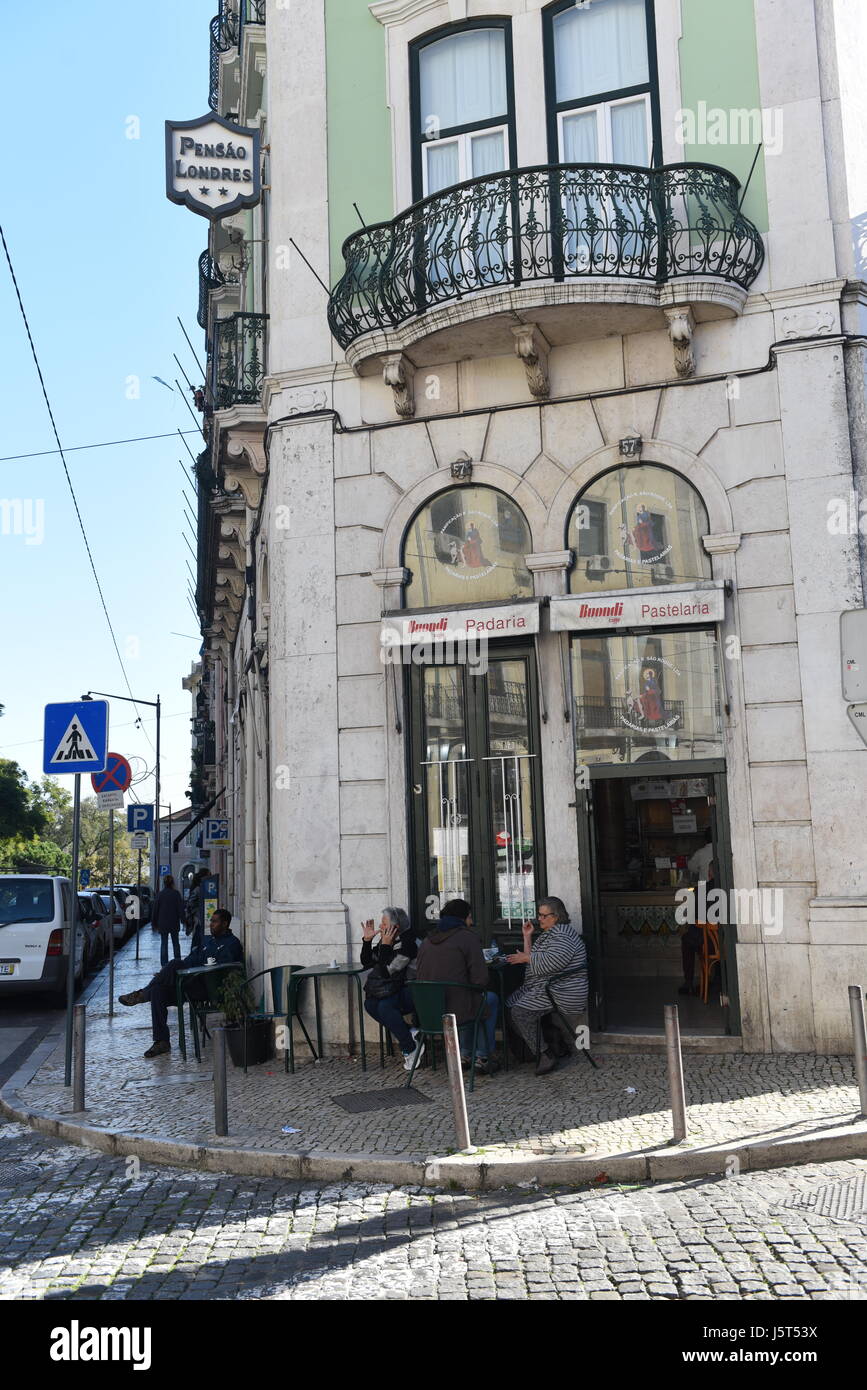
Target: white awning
[669,606]
[460,624]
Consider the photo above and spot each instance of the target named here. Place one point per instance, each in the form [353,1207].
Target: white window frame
[463,141]
[604,138]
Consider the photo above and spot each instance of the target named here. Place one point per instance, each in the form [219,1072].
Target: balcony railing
[238,360]
[211,277]
[225,31]
[549,223]
[604,714]
[252,12]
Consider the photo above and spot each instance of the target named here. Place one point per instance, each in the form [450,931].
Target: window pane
[629,133]
[443,165]
[463,79]
[647,523]
[446,790]
[488,154]
[511,794]
[467,546]
[580,138]
[658,698]
[602,48]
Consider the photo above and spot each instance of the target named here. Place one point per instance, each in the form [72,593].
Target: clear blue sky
[104,263]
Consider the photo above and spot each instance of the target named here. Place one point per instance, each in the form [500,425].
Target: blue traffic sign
[165,869]
[114,777]
[140,818]
[76,737]
[84,877]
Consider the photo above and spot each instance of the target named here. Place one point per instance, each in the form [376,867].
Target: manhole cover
[357,1102]
[841,1201]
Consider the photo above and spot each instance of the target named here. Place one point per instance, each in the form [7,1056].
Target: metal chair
[563,1018]
[710,955]
[278,976]
[429,999]
[292,1011]
[200,1008]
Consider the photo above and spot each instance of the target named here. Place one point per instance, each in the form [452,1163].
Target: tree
[33,856]
[19,814]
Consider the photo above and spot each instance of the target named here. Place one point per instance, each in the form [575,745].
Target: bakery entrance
[653,831]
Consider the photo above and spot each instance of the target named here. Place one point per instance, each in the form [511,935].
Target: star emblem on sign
[224,192]
[204,192]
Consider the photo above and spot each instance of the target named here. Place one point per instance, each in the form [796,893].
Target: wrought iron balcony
[551,223]
[598,712]
[211,277]
[238,360]
[225,31]
[252,12]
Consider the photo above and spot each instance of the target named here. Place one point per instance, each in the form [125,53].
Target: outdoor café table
[504,979]
[181,979]
[351,970]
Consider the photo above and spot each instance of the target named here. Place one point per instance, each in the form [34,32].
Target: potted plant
[235,1001]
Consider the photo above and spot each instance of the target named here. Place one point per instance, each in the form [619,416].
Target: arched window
[467,546]
[637,526]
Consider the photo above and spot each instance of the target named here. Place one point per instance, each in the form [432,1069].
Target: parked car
[39,913]
[97,922]
[131,890]
[119,921]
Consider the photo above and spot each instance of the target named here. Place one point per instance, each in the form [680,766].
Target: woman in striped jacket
[558,948]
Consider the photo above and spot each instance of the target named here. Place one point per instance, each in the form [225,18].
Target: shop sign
[212,165]
[645,608]
[460,625]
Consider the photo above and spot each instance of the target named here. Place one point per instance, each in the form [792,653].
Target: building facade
[532,499]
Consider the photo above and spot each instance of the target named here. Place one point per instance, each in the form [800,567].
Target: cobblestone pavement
[621,1107]
[75,1225]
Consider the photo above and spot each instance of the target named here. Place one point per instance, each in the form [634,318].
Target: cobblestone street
[74,1225]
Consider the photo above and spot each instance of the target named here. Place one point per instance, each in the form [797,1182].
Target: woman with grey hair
[387,996]
[559,948]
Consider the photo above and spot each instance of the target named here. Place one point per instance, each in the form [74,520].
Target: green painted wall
[359,125]
[719,66]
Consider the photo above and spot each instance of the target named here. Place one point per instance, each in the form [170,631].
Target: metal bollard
[674,1061]
[456,1082]
[221,1098]
[79,1021]
[859,1040]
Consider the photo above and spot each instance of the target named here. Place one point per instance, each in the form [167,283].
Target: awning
[193,823]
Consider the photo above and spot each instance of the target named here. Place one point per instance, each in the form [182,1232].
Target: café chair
[565,1023]
[293,1011]
[278,976]
[710,955]
[429,999]
[200,1008]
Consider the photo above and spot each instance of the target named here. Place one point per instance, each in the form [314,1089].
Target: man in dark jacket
[168,918]
[451,951]
[220,948]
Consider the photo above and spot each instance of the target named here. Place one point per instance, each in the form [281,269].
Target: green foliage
[20,813]
[234,997]
[33,856]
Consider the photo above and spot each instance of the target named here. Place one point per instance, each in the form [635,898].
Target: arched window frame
[588,488]
[429,503]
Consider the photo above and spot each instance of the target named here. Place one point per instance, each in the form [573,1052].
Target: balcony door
[476,790]
[464,129]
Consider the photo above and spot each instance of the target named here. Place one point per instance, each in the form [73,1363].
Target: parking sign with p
[140,818]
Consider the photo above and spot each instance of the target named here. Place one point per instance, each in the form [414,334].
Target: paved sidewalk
[744,1111]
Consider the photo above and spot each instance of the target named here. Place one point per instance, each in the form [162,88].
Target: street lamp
[154,704]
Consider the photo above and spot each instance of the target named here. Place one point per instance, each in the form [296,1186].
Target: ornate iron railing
[552,222]
[211,277]
[252,12]
[225,30]
[238,360]
[600,712]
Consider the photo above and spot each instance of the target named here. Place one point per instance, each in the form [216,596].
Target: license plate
[7,969]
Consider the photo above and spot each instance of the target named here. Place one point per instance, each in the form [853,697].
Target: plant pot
[260,1042]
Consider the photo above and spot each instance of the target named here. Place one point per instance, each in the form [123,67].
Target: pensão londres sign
[212,165]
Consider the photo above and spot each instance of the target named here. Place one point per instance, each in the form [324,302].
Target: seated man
[221,948]
[450,951]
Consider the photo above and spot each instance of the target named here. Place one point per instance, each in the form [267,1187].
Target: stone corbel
[723,543]
[246,464]
[398,373]
[532,347]
[549,569]
[681,326]
[231,579]
[390,582]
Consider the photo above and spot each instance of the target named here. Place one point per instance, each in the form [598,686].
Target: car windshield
[26,900]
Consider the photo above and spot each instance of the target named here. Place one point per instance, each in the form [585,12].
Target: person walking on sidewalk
[222,947]
[168,917]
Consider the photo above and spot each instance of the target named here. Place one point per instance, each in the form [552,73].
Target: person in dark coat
[387,996]
[168,918]
[222,947]
[451,951]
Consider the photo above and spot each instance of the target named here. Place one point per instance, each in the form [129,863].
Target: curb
[466,1171]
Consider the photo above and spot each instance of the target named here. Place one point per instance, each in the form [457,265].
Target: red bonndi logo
[612,611]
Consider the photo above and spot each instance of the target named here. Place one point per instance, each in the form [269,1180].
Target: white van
[36,915]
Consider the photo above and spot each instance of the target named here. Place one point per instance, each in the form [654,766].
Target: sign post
[75,740]
[110,785]
[138,890]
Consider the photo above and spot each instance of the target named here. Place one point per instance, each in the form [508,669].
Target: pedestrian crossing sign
[76,737]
